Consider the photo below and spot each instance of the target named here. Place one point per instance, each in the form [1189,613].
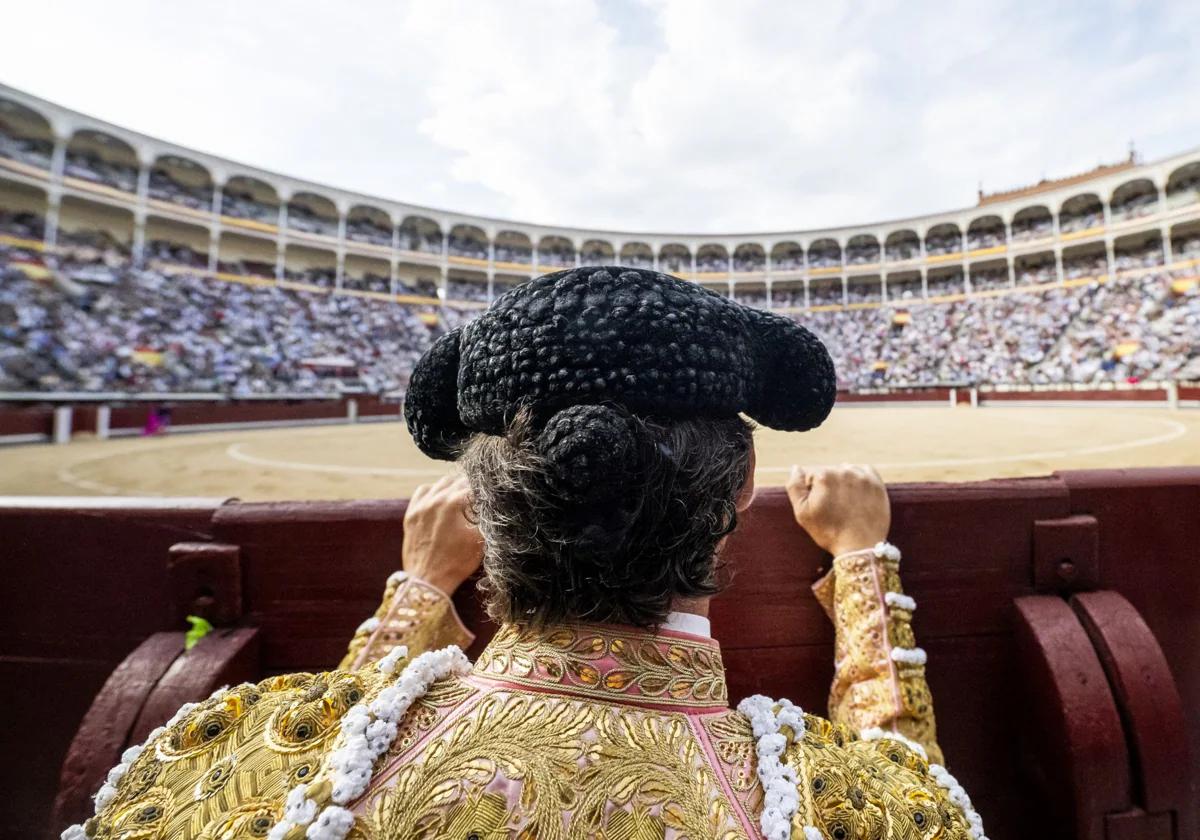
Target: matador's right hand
[843,508]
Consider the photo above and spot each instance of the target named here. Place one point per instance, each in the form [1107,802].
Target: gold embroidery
[628,664]
[584,770]
[224,770]
[412,613]
[849,788]
[869,689]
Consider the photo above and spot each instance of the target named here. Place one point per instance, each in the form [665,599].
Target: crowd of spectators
[1085,265]
[1146,255]
[468,290]
[1143,204]
[100,325]
[242,205]
[709,263]
[92,167]
[152,333]
[22,225]
[25,150]
[946,243]
[862,254]
[367,282]
[989,279]
[751,297]
[1033,274]
[364,229]
[465,246]
[301,217]
[903,250]
[788,261]
[1093,218]
[946,285]
[514,254]
[747,263]
[638,260]
[426,243]
[1032,228]
[825,258]
[1129,330]
[165,188]
[991,238]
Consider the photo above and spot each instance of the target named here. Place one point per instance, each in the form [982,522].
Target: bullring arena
[202,368]
[379,460]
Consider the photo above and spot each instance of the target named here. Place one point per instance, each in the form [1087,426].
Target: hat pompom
[589,446]
[797,384]
[431,402]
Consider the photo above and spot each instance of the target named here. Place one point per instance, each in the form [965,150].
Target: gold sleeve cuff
[879,674]
[413,613]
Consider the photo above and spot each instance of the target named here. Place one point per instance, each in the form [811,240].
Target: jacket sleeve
[413,613]
[879,674]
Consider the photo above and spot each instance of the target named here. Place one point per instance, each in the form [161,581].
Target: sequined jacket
[564,732]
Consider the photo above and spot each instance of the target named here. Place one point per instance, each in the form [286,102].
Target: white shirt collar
[696,625]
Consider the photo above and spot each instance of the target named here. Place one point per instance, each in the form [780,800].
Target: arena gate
[1061,616]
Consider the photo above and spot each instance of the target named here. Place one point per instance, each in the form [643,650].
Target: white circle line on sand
[237,453]
[1178,430]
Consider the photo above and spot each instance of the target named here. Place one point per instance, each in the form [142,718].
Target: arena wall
[1055,648]
[29,418]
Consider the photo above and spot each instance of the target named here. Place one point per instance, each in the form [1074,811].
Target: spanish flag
[1183,285]
[901,318]
[1126,348]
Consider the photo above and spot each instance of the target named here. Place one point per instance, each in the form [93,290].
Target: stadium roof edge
[66,121]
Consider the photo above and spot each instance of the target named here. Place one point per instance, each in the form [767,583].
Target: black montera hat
[608,336]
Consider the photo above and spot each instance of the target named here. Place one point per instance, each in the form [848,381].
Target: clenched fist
[441,547]
[843,509]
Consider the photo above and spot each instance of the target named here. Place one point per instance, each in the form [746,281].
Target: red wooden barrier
[1021,728]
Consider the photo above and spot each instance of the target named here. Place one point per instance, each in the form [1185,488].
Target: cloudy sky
[651,115]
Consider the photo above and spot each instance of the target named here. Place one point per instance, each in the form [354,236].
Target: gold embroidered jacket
[564,732]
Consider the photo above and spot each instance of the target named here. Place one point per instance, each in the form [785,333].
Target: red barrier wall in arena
[993,566]
[1156,395]
[35,420]
[940,395]
[84,584]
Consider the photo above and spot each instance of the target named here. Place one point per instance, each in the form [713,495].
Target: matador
[602,419]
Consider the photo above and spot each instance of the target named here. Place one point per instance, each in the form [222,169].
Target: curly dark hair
[602,516]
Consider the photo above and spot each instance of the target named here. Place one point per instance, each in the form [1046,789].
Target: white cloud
[723,116]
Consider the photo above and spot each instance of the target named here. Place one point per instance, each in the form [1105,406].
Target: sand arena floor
[379,460]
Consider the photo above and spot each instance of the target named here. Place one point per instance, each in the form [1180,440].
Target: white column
[394,260]
[807,300]
[533,256]
[351,410]
[693,255]
[281,242]
[1172,394]
[1012,274]
[654,258]
[139,215]
[445,266]
[883,289]
[214,234]
[339,280]
[1058,264]
[770,305]
[58,163]
[491,260]
[1168,257]
[924,284]
[54,206]
[62,424]
[845,285]
[1111,254]
[103,422]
